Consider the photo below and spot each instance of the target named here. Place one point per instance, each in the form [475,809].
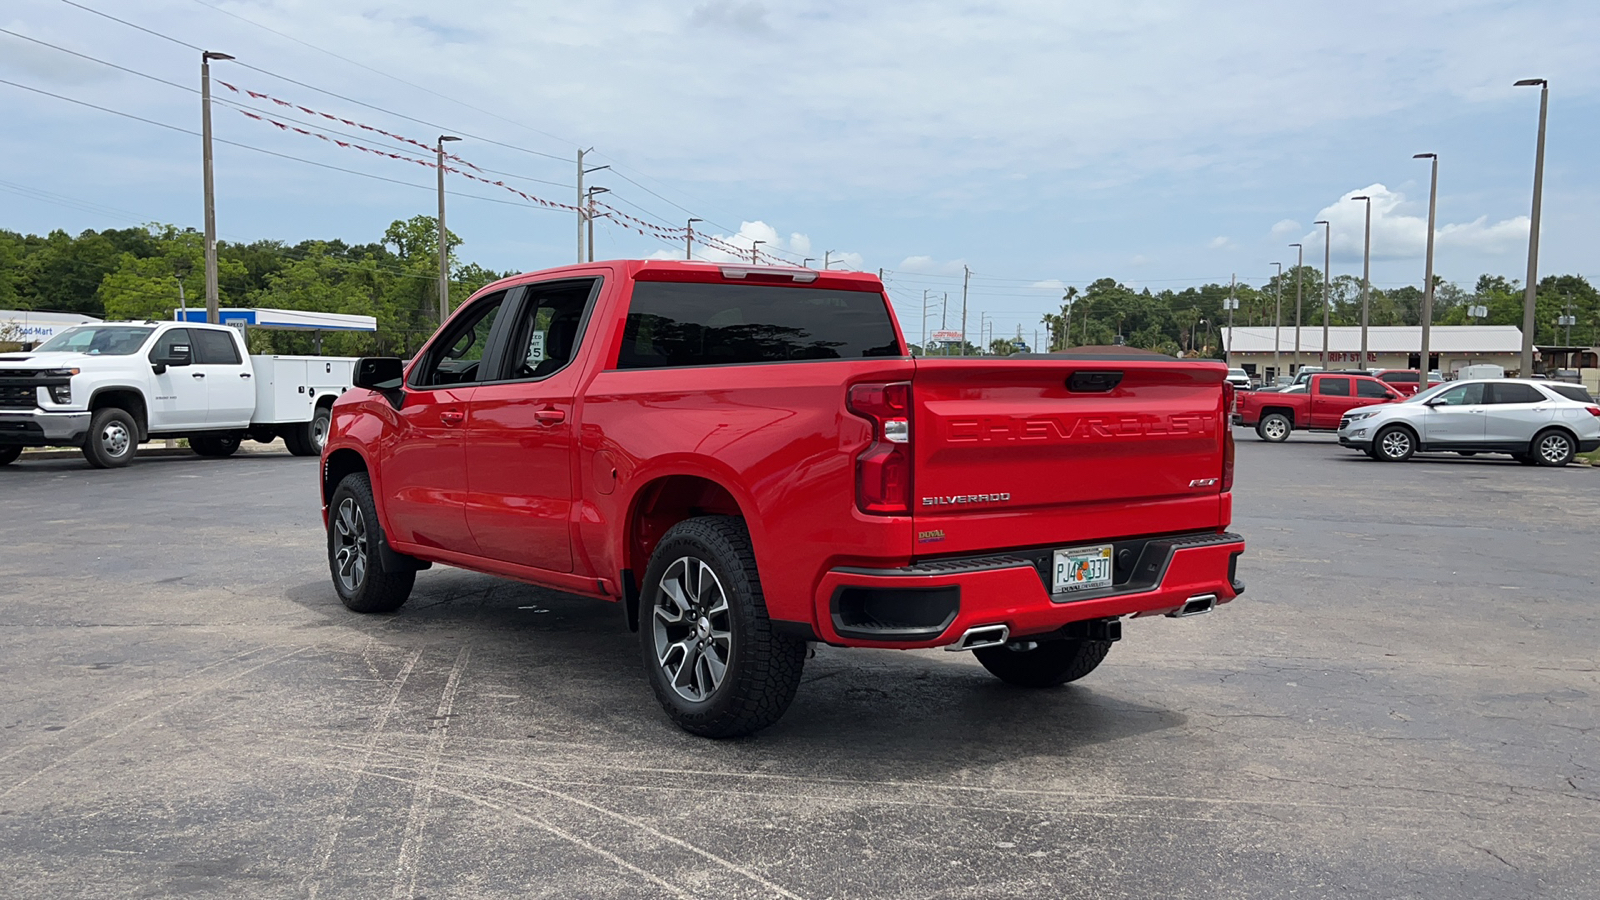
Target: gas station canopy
[282,319]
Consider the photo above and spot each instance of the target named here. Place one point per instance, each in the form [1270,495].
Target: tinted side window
[1514,393]
[548,329]
[1334,387]
[1366,388]
[1400,377]
[454,357]
[1465,395]
[214,348]
[1572,392]
[724,324]
[177,337]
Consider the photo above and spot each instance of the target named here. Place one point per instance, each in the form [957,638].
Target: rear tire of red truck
[711,655]
[1046,663]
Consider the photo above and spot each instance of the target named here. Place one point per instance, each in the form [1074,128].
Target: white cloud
[1285,227]
[1220,242]
[1398,234]
[927,265]
[774,248]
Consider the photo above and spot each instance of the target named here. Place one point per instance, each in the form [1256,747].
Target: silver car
[1537,422]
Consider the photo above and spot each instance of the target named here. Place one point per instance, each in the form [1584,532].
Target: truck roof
[732,271]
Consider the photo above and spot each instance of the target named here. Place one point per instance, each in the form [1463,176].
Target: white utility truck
[106,387]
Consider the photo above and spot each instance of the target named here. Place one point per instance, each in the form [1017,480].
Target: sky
[1038,144]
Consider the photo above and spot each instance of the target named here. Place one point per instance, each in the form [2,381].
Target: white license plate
[1083,569]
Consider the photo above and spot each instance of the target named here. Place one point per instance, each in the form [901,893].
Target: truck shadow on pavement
[866,713]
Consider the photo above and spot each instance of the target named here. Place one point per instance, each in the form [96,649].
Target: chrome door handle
[197,374]
[244,374]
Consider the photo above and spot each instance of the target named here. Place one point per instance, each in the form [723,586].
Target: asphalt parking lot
[1402,705]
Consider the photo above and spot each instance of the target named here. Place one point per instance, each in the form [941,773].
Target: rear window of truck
[674,324]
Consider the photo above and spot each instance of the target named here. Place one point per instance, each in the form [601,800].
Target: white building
[1450,347]
[25,328]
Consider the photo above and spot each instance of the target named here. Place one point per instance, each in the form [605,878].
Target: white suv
[1537,422]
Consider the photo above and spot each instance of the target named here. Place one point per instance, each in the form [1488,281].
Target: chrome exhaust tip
[1198,605]
[980,636]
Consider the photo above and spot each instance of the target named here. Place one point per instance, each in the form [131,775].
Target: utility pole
[925,322]
[826,256]
[1530,292]
[944,317]
[755,256]
[444,242]
[582,209]
[1233,304]
[1299,285]
[1427,289]
[589,206]
[1327,283]
[1277,328]
[213,298]
[688,239]
[966,277]
[1366,281]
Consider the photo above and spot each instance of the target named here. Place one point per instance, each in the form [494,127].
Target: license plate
[1083,569]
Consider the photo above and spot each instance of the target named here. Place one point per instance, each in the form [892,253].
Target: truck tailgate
[1044,450]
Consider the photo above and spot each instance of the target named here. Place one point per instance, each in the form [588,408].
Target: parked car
[105,387]
[1239,379]
[1407,381]
[1536,422]
[1315,406]
[1480,370]
[748,458]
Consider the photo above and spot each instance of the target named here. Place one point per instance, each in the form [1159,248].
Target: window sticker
[536,347]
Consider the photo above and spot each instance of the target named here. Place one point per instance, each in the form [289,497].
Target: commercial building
[1450,347]
[23,329]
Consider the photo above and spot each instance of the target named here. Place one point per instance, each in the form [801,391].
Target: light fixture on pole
[583,215]
[1232,303]
[1530,291]
[755,256]
[1327,283]
[1478,313]
[804,262]
[1423,364]
[1277,327]
[688,239]
[589,212]
[1366,280]
[1568,321]
[444,240]
[1299,285]
[213,297]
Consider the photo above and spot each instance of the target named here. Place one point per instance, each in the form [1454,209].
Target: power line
[158,34]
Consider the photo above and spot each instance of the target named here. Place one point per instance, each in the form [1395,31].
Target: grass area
[1592,458]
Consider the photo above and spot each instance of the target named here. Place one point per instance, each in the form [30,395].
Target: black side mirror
[174,355]
[378,373]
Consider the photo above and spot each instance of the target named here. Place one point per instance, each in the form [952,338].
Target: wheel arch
[660,503]
[339,465]
[130,400]
[1556,426]
[1286,411]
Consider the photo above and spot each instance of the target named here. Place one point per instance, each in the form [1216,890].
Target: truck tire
[112,440]
[361,581]
[1274,427]
[8,455]
[1046,663]
[1395,444]
[309,438]
[216,445]
[712,658]
[1553,447]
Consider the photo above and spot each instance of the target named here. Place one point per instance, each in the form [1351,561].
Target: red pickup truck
[1315,407]
[749,458]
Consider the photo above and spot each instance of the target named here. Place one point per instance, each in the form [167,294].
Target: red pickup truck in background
[749,458]
[1406,381]
[1316,407]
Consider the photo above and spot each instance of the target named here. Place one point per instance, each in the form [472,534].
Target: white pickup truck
[105,387]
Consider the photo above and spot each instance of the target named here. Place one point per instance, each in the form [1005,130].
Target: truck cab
[1326,397]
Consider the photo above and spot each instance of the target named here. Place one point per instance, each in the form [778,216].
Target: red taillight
[1593,411]
[1227,458]
[1230,397]
[883,470]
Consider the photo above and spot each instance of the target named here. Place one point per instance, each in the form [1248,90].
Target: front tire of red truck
[354,556]
[711,655]
[1045,663]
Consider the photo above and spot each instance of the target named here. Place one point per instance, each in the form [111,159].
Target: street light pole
[1299,286]
[688,239]
[1530,292]
[1277,328]
[1427,289]
[1327,284]
[582,208]
[1232,304]
[444,242]
[213,297]
[1366,280]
